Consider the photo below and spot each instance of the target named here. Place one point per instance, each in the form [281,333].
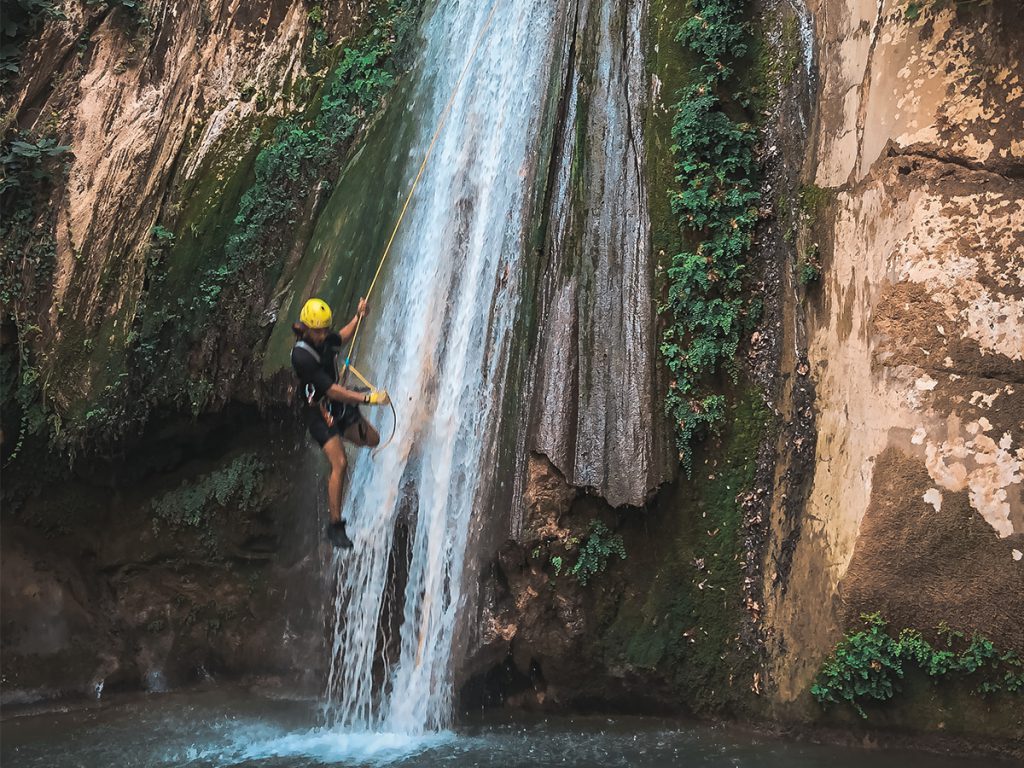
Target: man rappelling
[330,410]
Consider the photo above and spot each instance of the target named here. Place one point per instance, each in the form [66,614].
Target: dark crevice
[631,129]
[1011,171]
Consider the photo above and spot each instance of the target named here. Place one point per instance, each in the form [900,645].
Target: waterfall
[440,343]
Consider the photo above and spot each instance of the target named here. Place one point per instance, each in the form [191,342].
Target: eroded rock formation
[597,397]
[154,108]
[916,507]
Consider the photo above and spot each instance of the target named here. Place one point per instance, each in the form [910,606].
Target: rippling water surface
[232,729]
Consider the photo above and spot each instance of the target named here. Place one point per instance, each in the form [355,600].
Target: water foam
[258,741]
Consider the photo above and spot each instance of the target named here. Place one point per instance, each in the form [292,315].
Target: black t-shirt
[316,375]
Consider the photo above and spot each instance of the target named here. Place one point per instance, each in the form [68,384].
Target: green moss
[687,620]
[673,66]
[814,201]
[196,504]
[769,64]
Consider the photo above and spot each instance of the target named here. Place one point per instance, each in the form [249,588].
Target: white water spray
[440,345]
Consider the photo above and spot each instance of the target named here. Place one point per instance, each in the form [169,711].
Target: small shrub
[869,665]
[809,265]
[22,161]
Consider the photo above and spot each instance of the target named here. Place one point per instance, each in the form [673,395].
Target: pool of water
[219,728]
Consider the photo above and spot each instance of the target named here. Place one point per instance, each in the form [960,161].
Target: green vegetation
[235,265]
[689,613]
[316,48]
[207,277]
[192,504]
[917,8]
[594,551]
[287,169]
[23,162]
[28,248]
[597,548]
[809,265]
[22,19]
[162,235]
[716,202]
[814,200]
[869,664]
[772,65]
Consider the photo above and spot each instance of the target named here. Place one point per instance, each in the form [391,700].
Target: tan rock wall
[143,105]
[917,338]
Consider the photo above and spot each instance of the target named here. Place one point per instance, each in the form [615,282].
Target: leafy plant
[716,202]
[809,267]
[869,665]
[27,253]
[597,548]
[23,161]
[21,18]
[191,504]
[162,235]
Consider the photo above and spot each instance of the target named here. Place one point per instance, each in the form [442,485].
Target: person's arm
[348,330]
[340,394]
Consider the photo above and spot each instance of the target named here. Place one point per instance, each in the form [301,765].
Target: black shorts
[344,417]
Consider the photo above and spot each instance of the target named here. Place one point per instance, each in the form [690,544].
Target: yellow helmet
[316,314]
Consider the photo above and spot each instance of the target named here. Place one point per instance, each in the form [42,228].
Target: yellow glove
[378,397]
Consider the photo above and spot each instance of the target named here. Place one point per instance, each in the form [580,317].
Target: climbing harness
[309,391]
[348,367]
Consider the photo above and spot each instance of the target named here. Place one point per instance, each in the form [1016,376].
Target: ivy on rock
[869,664]
[716,202]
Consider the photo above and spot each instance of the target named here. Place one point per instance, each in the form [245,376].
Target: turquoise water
[223,729]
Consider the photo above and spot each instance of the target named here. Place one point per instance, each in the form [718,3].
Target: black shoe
[337,536]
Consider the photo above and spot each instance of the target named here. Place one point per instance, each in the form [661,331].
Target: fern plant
[598,547]
[716,201]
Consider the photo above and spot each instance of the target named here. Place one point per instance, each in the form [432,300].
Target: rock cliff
[916,340]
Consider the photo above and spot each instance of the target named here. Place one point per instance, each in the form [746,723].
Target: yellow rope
[416,181]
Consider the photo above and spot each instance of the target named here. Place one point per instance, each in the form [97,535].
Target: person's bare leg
[335,454]
[362,434]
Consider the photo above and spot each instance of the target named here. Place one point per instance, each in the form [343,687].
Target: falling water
[442,335]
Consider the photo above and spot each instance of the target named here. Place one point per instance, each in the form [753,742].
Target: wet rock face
[102,593]
[917,351]
[598,399]
[535,633]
